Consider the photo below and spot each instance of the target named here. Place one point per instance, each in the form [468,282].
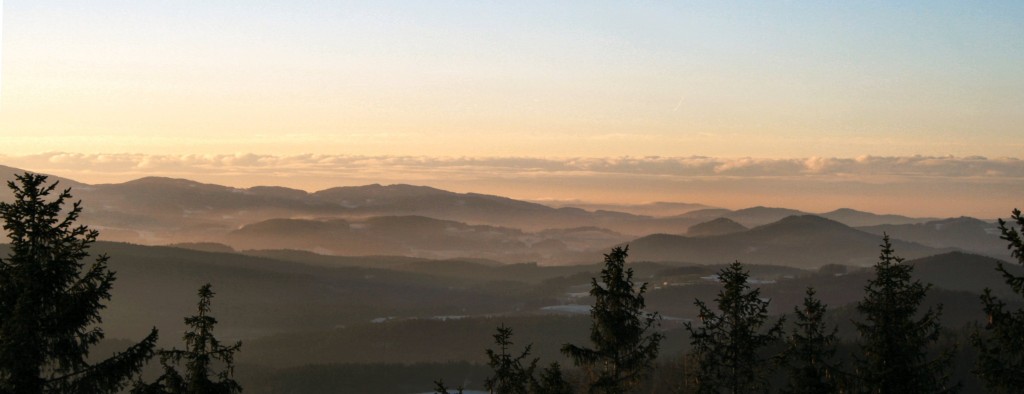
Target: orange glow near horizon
[758,88]
[403,79]
[981,187]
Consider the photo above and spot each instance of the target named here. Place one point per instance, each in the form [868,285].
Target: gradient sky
[769,80]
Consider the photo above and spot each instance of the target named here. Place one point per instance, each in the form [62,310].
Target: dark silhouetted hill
[756,216]
[855,218]
[654,209]
[347,220]
[720,226]
[704,215]
[965,272]
[804,241]
[418,236]
[205,247]
[258,296]
[965,233]
[7,175]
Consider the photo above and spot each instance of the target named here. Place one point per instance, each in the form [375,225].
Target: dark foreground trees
[441,388]
[811,350]
[1001,345]
[511,374]
[624,346]
[50,300]
[203,354]
[895,337]
[551,381]
[728,345]
[515,374]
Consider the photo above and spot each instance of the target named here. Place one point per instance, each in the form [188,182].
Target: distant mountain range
[805,241]
[390,235]
[757,216]
[401,274]
[421,221]
[654,209]
[964,233]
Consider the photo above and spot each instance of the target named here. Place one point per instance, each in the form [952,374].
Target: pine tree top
[50,300]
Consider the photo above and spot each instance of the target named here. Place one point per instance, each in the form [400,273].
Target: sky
[510,97]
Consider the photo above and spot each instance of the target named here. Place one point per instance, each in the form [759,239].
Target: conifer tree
[729,344]
[895,337]
[202,351]
[511,376]
[551,381]
[812,346]
[441,388]
[624,347]
[50,301]
[1001,346]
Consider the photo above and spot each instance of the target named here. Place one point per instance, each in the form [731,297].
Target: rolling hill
[964,233]
[422,221]
[417,236]
[258,296]
[855,218]
[720,226]
[805,241]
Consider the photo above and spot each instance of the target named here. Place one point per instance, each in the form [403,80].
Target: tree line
[50,303]
[736,345]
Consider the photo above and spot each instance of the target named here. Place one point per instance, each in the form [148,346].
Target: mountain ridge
[805,241]
[164,210]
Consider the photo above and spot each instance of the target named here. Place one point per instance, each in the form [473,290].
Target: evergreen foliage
[895,341]
[511,376]
[1001,359]
[50,301]
[441,388]
[202,351]
[623,346]
[812,347]
[551,381]
[729,345]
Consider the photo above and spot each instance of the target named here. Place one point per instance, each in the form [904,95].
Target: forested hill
[420,221]
[279,291]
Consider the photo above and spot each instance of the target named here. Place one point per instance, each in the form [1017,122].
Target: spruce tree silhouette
[727,346]
[202,354]
[895,338]
[441,388]
[50,301]
[1001,359]
[511,375]
[811,350]
[623,346]
[551,381]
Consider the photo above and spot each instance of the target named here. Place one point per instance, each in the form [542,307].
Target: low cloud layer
[696,166]
[910,184]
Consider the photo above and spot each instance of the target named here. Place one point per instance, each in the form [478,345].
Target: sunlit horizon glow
[766,82]
[958,186]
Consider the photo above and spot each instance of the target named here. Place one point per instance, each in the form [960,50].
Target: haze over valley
[511,197]
[312,278]
[425,222]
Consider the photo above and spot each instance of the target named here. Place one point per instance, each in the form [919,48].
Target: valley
[365,281]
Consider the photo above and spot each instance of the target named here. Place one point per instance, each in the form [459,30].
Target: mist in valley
[511,197]
[344,287]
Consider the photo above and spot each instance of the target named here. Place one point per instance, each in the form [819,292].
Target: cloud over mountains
[693,166]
